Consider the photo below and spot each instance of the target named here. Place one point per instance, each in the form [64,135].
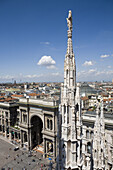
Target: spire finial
[69,20]
[69,24]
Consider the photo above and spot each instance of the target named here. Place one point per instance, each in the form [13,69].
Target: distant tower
[14,82]
[70,110]
[99,139]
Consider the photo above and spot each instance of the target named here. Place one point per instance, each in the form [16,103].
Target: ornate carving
[69,20]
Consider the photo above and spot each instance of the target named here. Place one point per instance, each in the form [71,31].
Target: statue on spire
[69,20]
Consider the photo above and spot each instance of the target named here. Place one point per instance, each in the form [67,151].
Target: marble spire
[69,63]
[70,109]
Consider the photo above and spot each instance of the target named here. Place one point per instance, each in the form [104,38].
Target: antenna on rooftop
[12,80]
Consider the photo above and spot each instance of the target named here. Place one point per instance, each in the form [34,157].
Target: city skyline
[34,35]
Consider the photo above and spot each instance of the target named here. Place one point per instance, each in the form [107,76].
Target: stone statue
[69,20]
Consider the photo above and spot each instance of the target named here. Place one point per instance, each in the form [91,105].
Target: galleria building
[73,139]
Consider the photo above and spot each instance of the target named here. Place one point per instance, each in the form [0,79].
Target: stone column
[29,139]
[4,123]
[84,166]
[66,113]
[88,163]
[46,146]
[21,136]
[5,126]
[63,113]
[21,117]
[78,152]
[2,129]
[83,154]
[44,155]
[54,149]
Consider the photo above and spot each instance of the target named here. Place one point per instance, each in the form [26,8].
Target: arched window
[87,134]
[51,125]
[77,107]
[64,109]
[48,123]
[91,134]
[67,114]
[67,72]
[64,112]
[89,147]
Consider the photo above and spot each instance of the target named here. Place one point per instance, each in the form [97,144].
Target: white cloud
[56,74]
[104,56]
[46,61]
[7,77]
[86,73]
[51,67]
[109,66]
[99,73]
[46,43]
[109,72]
[104,72]
[92,70]
[43,77]
[88,63]
[94,75]
[33,76]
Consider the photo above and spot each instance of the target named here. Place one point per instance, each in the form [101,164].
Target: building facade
[8,119]
[38,125]
[31,123]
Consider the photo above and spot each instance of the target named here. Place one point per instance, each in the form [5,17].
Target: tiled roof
[109,99]
[1,97]
[84,98]
[17,95]
[33,94]
[2,94]
[8,99]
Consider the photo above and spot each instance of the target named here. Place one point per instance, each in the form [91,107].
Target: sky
[33,39]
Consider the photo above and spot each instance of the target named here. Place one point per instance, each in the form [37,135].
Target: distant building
[86,90]
[31,123]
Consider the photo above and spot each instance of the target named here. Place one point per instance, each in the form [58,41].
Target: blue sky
[33,39]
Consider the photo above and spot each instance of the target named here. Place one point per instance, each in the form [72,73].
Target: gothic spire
[69,63]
